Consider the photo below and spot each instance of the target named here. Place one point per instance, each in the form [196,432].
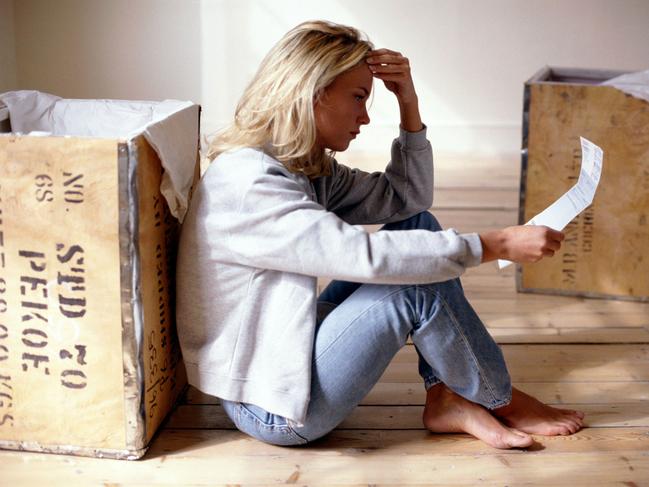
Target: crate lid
[170,126]
[556,74]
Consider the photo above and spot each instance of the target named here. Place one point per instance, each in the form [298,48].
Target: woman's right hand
[521,243]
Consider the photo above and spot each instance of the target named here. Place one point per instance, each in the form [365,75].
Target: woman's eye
[359,97]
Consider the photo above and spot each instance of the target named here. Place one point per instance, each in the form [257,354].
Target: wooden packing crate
[606,250]
[89,359]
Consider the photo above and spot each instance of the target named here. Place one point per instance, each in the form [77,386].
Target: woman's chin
[340,147]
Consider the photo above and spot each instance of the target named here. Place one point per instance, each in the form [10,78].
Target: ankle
[503,411]
[437,392]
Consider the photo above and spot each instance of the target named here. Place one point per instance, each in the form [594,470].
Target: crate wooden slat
[605,253]
[61,252]
[88,352]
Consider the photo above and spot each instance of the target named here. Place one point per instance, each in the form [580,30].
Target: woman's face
[340,111]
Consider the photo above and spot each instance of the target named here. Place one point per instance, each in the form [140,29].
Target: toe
[573,418]
[521,442]
[521,439]
[580,414]
[506,438]
[572,426]
[573,413]
[578,425]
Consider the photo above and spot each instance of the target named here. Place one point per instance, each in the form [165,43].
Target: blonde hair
[275,112]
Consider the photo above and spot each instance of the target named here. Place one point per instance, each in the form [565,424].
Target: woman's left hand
[394,70]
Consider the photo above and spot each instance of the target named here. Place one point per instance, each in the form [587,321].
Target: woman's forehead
[359,76]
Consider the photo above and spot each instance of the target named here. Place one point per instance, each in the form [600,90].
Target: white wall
[469,58]
[8,79]
[125,49]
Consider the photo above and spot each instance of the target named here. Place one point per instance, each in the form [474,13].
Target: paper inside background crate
[634,84]
[170,126]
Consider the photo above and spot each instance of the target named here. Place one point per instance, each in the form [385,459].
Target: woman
[275,210]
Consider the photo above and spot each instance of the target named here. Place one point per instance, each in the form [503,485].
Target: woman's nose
[364,119]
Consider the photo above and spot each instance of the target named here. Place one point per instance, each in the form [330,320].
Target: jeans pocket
[267,427]
[266,418]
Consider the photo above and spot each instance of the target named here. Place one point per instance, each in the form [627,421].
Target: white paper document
[577,198]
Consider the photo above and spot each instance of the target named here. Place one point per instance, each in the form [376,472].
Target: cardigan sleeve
[274,224]
[404,189]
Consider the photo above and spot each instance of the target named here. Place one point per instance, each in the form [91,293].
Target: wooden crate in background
[89,359]
[606,251]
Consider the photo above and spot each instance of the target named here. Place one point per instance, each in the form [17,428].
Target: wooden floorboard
[476,197]
[405,457]
[587,354]
[212,416]
[559,393]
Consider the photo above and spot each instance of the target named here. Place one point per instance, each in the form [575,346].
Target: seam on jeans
[282,428]
[447,308]
[259,428]
[298,436]
[375,303]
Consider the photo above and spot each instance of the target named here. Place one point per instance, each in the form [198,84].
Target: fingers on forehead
[388,59]
[378,52]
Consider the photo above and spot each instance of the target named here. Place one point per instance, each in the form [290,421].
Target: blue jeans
[359,330]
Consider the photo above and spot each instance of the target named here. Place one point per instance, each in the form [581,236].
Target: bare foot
[446,412]
[532,416]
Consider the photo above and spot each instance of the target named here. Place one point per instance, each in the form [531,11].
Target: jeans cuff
[500,403]
[431,381]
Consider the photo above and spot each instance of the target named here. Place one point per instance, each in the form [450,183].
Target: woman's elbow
[421,202]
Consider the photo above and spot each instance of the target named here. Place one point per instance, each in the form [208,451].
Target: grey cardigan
[256,237]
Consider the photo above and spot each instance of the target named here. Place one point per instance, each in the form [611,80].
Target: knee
[420,221]
[426,221]
[433,222]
